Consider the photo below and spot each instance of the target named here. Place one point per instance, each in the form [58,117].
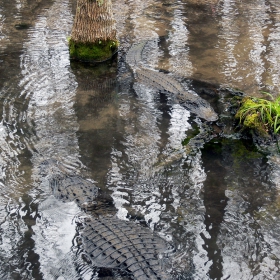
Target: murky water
[218,205]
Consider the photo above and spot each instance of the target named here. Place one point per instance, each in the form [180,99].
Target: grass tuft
[260,114]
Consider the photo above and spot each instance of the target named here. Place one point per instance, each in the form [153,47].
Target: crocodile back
[118,244]
[159,80]
[134,54]
[73,188]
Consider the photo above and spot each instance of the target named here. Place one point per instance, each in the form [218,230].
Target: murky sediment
[218,205]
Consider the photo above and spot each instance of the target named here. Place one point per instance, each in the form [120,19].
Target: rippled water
[218,205]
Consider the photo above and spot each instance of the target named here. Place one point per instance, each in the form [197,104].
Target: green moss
[191,134]
[257,114]
[92,52]
[251,120]
[186,141]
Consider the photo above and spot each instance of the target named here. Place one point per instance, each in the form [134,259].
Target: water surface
[218,204]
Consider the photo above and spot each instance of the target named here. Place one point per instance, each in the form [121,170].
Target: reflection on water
[179,49]
[229,35]
[258,18]
[273,51]
[218,206]
[142,24]
[249,190]
[141,142]
[214,208]
[50,88]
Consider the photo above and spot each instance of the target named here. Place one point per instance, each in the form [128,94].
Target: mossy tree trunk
[93,35]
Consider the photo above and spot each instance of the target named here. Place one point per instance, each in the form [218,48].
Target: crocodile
[188,99]
[107,241]
[67,186]
[134,54]
[159,80]
[163,82]
[118,244]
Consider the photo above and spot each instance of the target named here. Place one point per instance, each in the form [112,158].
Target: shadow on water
[237,178]
[215,202]
[97,115]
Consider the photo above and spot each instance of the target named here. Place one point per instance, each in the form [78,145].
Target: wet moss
[92,52]
[186,141]
[191,134]
[252,115]
[252,121]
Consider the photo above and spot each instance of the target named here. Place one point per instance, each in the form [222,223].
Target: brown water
[218,205]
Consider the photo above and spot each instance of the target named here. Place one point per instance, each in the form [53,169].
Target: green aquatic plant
[260,114]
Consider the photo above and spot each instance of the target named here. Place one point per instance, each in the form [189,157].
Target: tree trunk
[93,35]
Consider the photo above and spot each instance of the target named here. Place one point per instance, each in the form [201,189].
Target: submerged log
[93,37]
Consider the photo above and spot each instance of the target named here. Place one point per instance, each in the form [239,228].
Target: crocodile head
[198,106]
[207,113]
[68,186]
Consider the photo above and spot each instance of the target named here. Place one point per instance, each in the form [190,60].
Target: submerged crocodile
[163,82]
[109,242]
[188,99]
[134,54]
[117,244]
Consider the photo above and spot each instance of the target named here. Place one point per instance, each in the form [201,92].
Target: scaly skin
[164,82]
